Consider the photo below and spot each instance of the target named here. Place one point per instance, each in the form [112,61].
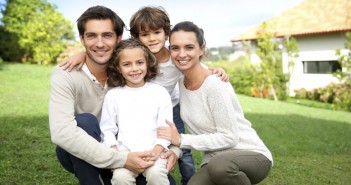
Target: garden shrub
[337,94]
[241,75]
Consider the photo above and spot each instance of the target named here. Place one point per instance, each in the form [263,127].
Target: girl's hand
[221,74]
[170,133]
[77,60]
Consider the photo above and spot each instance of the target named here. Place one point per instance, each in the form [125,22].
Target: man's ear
[81,39]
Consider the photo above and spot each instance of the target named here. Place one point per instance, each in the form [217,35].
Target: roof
[307,18]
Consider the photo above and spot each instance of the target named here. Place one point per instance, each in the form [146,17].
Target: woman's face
[185,49]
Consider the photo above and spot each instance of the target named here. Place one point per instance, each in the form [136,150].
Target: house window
[321,67]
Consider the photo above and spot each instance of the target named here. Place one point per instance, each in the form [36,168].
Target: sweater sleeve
[64,130]
[220,128]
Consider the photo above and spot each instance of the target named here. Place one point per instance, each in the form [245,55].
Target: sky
[221,20]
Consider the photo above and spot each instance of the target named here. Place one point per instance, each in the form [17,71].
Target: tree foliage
[270,71]
[36,31]
[344,75]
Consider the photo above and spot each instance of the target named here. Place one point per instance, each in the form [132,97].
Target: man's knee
[89,124]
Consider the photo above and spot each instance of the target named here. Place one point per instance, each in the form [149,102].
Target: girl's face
[185,50]
[154,39]
[133,66]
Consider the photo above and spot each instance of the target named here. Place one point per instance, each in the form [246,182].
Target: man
[75,105]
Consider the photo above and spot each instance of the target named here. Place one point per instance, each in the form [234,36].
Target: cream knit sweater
[216,121]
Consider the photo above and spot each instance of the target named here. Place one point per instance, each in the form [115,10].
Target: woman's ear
[203,49]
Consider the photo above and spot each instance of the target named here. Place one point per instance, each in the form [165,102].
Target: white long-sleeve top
[216,121]
[168,78]
[134,114]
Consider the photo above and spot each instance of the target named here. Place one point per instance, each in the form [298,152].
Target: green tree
[270,70]
[344,75]
[292,51]
[37,30]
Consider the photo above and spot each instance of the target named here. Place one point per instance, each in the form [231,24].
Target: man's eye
[108,36]
[90,36]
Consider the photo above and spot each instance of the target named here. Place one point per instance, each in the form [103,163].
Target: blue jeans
[186,162]
[85,172]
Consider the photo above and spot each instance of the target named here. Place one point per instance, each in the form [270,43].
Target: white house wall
[313,48]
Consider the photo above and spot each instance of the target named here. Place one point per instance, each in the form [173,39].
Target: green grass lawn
[309,145]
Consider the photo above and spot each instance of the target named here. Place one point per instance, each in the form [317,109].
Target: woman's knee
[225,172]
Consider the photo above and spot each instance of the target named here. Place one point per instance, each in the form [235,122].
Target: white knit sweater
[216,121]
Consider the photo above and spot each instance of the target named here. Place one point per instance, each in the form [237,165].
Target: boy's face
[154,39]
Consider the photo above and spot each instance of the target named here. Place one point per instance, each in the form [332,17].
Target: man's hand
[135,162]
[171,159]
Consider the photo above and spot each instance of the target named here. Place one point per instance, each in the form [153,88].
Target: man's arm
[65,132]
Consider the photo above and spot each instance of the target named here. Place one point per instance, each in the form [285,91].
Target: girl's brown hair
[115,78]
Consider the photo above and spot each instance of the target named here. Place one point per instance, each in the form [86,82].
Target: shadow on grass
[303,149]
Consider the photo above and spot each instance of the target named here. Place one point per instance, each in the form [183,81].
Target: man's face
[99,40]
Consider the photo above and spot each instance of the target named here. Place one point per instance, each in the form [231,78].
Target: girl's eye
[189,47]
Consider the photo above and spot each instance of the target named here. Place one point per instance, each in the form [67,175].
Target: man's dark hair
[100,13]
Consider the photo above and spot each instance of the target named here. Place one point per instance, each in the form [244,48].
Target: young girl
[133,110]
[233,152]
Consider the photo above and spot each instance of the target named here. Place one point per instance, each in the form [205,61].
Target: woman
[233,152]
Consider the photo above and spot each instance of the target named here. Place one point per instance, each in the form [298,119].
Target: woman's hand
[170,133]
[77,60]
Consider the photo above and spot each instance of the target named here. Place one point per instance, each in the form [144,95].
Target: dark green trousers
[234,167]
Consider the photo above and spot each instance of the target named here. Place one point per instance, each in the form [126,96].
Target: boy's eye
[173,48]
